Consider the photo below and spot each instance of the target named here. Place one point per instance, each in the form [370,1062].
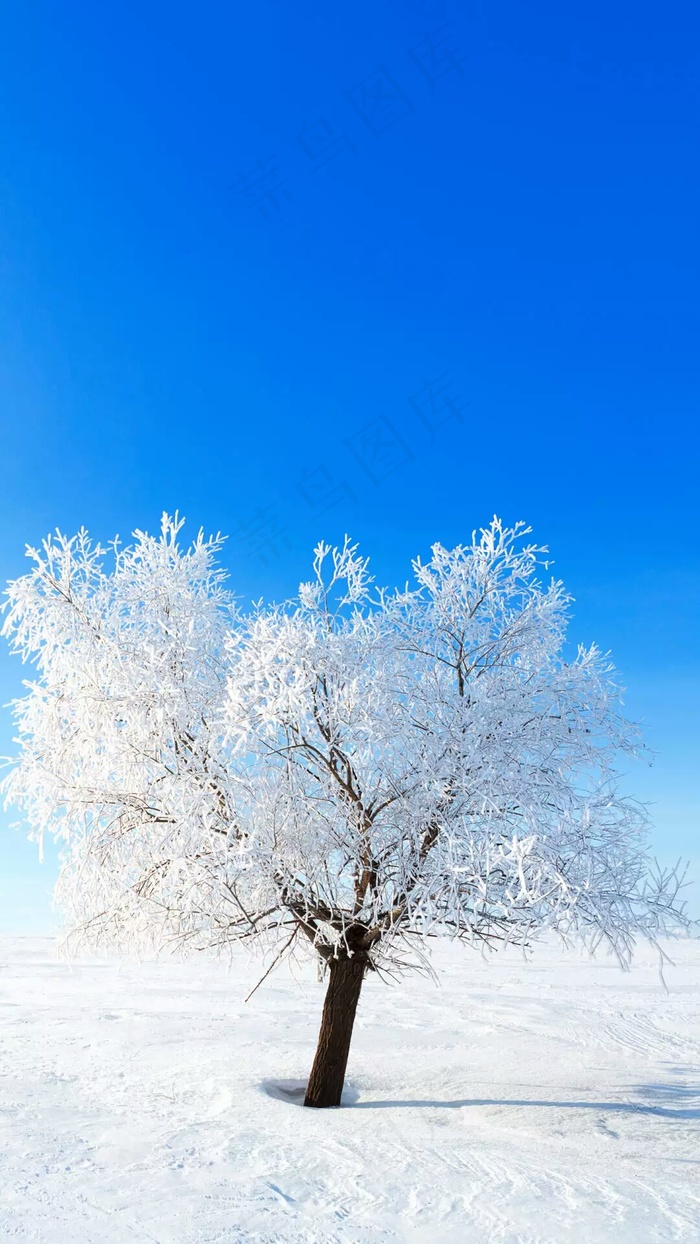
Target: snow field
[546,1102]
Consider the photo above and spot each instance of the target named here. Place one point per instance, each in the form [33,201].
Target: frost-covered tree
[355,771]
[121,755]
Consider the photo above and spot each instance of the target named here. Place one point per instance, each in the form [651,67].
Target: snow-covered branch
[366,767]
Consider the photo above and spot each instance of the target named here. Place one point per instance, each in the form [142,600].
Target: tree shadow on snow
[665,1101]
[668,1101]
[293,1092]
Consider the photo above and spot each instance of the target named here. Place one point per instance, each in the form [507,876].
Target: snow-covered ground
[556,1100]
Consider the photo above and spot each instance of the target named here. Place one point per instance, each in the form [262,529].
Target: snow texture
[551,1101]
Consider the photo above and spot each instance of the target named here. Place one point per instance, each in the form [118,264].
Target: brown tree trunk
[328,1072]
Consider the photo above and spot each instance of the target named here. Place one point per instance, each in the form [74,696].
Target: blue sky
[304,269]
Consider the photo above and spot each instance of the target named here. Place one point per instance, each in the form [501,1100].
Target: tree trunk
[328,1072]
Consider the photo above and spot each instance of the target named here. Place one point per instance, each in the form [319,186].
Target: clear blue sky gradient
[302,269]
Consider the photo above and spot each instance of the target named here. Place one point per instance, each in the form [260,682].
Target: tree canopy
[355,770]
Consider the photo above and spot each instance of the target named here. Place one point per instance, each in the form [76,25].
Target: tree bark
[328,1072]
